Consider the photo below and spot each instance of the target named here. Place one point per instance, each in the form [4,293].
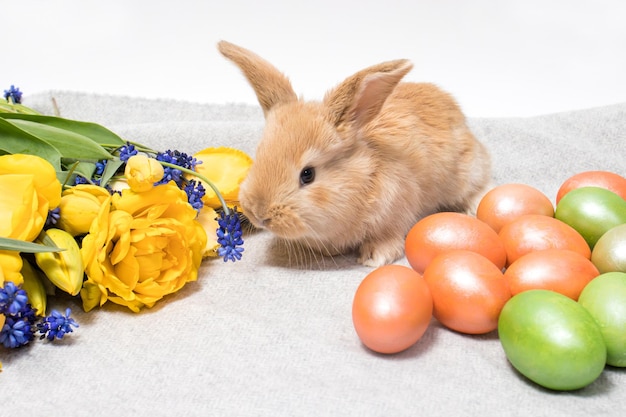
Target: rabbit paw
[379,253]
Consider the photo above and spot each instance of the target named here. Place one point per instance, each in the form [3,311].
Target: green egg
[605,299]
[552,340]
[592,211]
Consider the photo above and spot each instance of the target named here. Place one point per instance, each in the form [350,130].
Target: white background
[499,58]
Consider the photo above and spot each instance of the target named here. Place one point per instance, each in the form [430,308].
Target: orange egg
[603,179]
[468,291]
[441,232]
[392,309]
[560,270]
[534,232]
[507,202]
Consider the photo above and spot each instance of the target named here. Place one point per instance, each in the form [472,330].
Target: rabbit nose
[255,219]
[257,213]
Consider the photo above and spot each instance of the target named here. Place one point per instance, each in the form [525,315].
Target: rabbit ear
[360,97]
[269,84]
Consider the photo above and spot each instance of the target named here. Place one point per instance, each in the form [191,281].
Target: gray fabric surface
[261,337]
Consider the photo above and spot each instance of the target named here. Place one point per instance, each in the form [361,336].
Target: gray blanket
[262,337]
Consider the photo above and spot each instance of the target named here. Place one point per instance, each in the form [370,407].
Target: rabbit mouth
[282,226]
[290,230]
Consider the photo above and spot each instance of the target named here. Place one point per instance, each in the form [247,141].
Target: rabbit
[356,170]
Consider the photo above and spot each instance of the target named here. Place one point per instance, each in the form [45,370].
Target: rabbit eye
[307,175]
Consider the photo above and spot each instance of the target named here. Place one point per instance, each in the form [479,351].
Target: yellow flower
[226,168]
[22,210]
[79,206]
[44,175]
[64,269]
[142,172]
[141,247]
[34,288]
[208,219]
[11,266]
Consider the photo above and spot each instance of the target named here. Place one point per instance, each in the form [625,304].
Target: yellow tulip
[45,178]
[79,206]
[2,316]
[141,247]
[34,288]
[11,265]
[22,210]
[92,295]
[226,168]
[64,269]
[208,219]
[142,172]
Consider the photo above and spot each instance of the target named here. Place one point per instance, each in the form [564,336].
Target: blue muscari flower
[229,236]
[14,93]
[53,217]
[80,180]
[171,174]
[180,159]
[18,327]
[56,325]
[29,314]
[13,300]
[100,165]
[195,191]
[16,332]
[127,151]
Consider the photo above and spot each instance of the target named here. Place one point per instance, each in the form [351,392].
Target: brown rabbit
[358,169]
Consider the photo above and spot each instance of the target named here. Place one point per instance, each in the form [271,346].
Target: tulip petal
[92,295]
[22,211]
[64,269]
[33,286]
[226,168]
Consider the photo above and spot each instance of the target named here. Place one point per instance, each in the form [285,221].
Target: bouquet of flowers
[104,219]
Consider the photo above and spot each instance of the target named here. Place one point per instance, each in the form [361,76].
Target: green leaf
[26,247]
[110,170]
[95,132]
[68,143]
[84,169]
[65,177]
[15,108]
[15,140]
[68,176]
